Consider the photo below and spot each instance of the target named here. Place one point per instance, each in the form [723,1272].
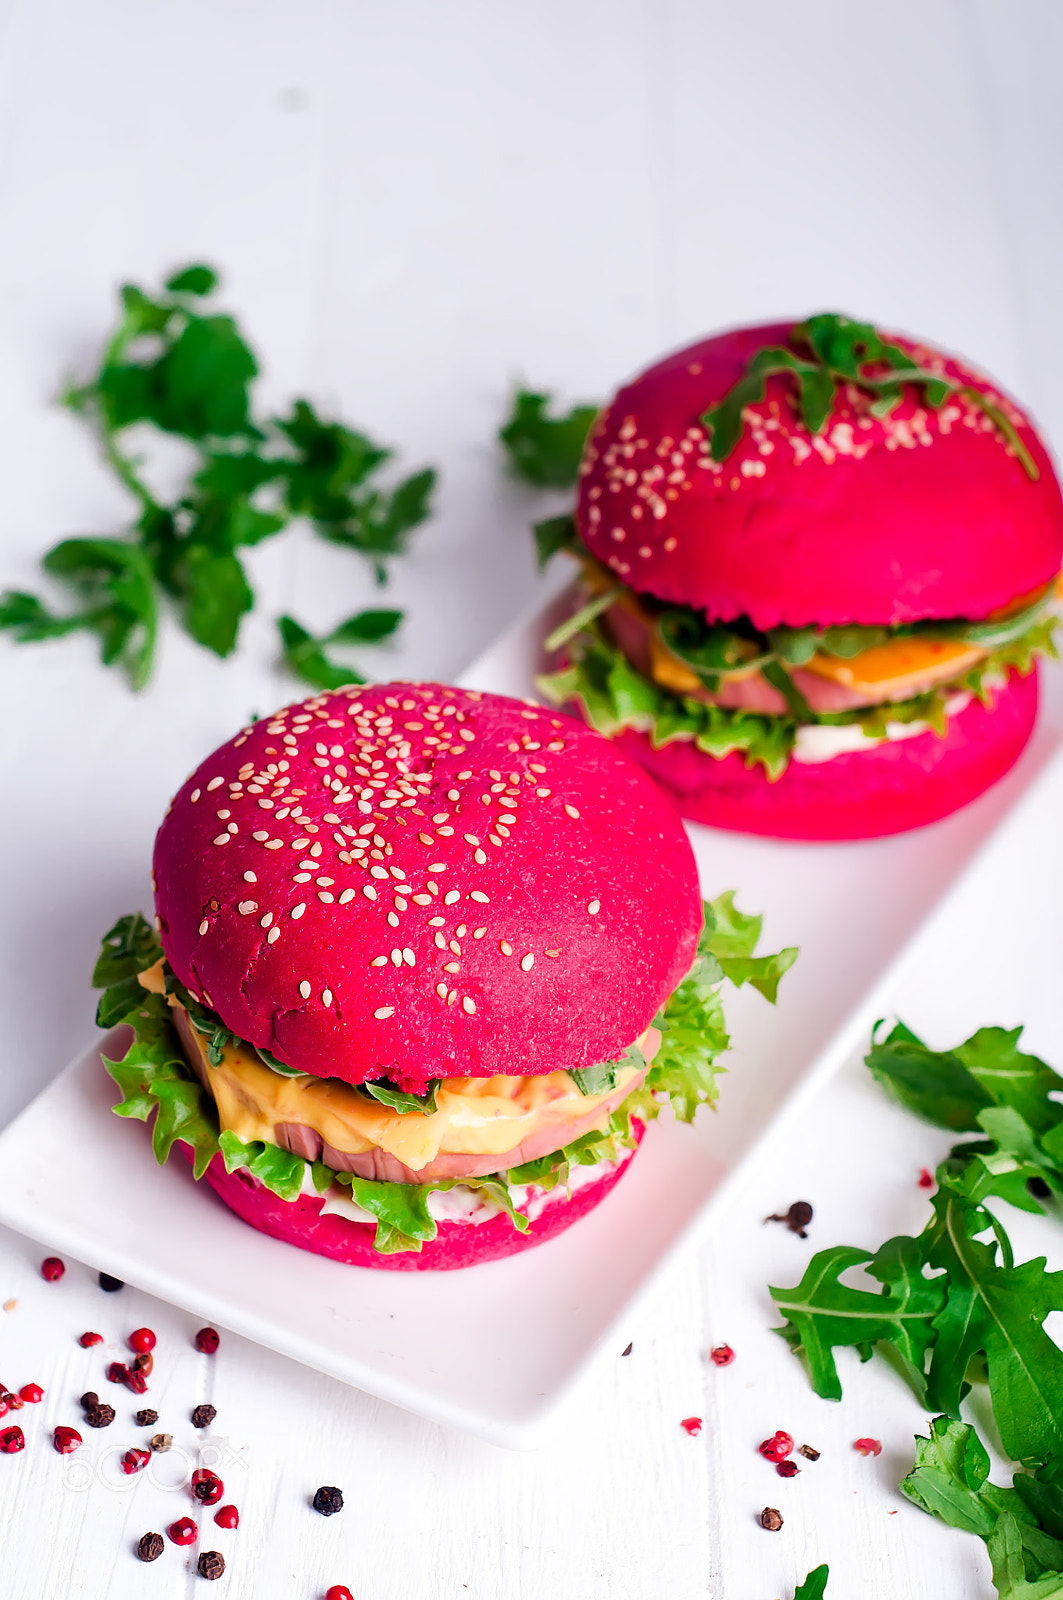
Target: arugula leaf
[176,366]
[131,946]
[822,1313]
[305,655]
[815,1585]
[953,1087]
[401,1101]
[543,449]
[950,1480]
[552,535]
[839,351]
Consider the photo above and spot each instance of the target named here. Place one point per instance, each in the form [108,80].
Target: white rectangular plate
[497,1349]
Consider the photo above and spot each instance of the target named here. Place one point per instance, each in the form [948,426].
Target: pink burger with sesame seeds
[820,564]
[425,964]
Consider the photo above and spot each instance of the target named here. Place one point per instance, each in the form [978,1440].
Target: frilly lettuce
[155,1079]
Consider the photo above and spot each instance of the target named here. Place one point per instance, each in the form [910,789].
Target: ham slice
[386,1168]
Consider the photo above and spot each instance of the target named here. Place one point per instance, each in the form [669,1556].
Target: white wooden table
[414,205]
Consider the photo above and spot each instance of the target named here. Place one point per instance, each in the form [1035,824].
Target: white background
[414,205]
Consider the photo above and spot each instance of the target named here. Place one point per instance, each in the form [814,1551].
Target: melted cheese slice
[473,1116]
[899,668]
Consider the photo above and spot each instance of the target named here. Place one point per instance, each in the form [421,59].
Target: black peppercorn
[151,1547]
[770,1519]
[796,1219]
[110,1285]
[807,1451]
[89,1399]
[99,1416]
[145,1419]
[203,1416]
[211,1564]
[328,1500]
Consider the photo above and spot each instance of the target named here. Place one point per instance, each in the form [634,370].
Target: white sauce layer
[817,744]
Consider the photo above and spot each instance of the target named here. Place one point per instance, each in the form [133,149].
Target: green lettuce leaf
[278,1169]
[613,695]
[154,1079]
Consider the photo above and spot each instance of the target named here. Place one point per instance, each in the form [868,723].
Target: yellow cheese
[478,1116]
[900,666]
[668,670]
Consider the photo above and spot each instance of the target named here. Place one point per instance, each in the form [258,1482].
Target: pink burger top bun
[919,514]
[413,882]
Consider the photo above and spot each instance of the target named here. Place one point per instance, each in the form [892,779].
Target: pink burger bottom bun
[301,1222]
[894,786]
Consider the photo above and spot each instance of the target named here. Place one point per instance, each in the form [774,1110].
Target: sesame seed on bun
[414,882]
[922,513]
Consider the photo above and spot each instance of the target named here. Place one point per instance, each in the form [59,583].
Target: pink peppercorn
[207,1341]
[227,1517]
[31,1392]
[787,1469]
[691,1425]
[87,1340]
[721,1355]
[926,1180]
[52,1269]
[12,1440]
[868,1447]
[66,1440]
[778,1447]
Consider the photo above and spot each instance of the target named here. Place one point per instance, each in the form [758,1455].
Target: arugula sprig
[177,366]
[545,449]
[814,1586]
[832,352]
[306,655]
[953,1304]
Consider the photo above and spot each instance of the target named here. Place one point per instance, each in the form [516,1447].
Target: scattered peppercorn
[227,1517]
[136,1381]
[144,1362]
[32,1393]
[141,1340]
[12,1440]
[89,1399]
[110,1285]
[161,1442]
[66,1440]
[12,1402]
[328,1500]
[145,1419]
[211,1564]
[787,1469]
[721,1355]
[99,1416]
[207,1341]
[52,1269]
[809,1454]
[203,1416]
[87,1340]
[151,1547]
[183,1531]
[868,1447]
[926,1179]
[135,1460]
[770,1519]
[777,1448]
[207,1487]
[691,1425]
[796,1219]
[627,1350]
[339,1591]
[117,1372]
